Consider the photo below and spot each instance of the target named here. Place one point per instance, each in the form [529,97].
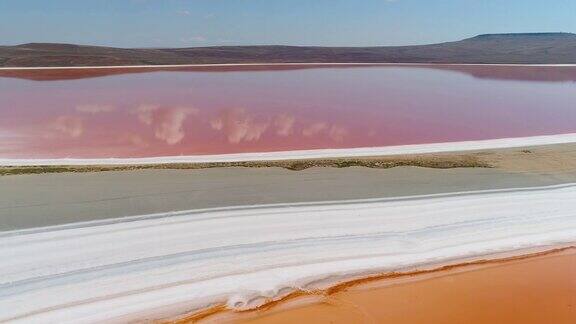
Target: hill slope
[536,48]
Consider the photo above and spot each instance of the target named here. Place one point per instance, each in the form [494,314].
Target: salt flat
[157,265]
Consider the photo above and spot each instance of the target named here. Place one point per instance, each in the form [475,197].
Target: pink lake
[146,112]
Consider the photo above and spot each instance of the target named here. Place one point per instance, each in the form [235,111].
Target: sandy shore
[50,199]
[541,285]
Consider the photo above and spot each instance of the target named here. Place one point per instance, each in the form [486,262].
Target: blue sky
[183,23]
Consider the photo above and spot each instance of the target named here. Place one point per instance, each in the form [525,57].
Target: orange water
[537,290]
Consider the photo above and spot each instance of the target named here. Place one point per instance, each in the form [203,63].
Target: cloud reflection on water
[238,125]
[70,126]
[94,109]
[208,112]
[167,122]
[284,124]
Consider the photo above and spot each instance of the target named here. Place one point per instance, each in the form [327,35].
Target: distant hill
[530,48]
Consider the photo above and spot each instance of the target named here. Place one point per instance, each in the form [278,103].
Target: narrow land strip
[78,194]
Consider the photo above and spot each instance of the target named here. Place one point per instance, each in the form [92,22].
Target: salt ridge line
[501,143]
[160,267]
[273,64]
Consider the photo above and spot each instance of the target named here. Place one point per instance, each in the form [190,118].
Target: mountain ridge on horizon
[508,48]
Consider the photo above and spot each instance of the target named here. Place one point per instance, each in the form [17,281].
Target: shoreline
[132,269]
[424,161]
[276,64]
[465,264]
[385,151]
[194,238]
[44,196]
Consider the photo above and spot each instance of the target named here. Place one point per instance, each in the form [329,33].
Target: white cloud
[133,139]
[335,132]
[144,113]
[168,123]
[314,129]
[284,124]
[238,126]
[71,126]
[169,126]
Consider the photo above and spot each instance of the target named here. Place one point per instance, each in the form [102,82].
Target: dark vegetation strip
[465,161]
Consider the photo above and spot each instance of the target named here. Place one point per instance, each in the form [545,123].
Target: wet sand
[28,201]
[537,289]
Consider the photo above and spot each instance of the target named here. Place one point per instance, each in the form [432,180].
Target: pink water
[163,113]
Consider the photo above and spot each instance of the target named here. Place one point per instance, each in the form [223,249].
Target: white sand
[157,265]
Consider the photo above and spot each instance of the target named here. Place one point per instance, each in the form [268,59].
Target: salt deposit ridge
[160,265]
[500,143]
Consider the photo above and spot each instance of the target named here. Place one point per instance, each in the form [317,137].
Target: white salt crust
[154,266]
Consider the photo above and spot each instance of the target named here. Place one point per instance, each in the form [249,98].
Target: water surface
[535,290]
[121,113]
